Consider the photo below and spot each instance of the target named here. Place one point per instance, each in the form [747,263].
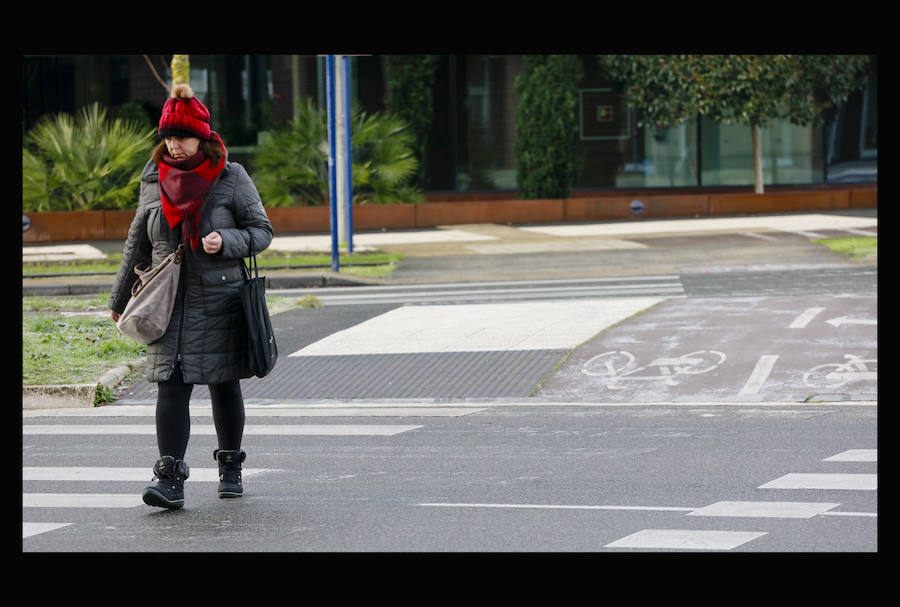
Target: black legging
[173,419]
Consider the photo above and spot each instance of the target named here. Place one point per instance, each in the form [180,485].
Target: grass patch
[856,247]
[279,303]
[92,303]
[74,266]
[357,264]
[59,349]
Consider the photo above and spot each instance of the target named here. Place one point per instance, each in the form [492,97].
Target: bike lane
[753,349]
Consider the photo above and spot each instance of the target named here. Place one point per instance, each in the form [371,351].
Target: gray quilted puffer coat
[207,331]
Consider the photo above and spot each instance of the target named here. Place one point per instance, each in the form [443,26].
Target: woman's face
[181,148]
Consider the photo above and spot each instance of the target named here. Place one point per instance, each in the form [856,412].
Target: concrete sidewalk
[489,251]
[469,253]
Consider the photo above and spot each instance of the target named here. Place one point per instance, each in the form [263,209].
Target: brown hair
[210,147]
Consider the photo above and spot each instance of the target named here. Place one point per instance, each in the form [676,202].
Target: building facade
[472,138]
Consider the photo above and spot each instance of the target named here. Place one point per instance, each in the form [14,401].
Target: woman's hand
[212,243]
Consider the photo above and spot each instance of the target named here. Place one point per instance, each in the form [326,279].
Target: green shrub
[547,126]
[86,164]
[290,166]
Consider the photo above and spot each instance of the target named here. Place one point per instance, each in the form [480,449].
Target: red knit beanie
[184,116]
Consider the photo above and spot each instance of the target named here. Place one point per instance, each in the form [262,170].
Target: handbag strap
[148,274]
[253,267]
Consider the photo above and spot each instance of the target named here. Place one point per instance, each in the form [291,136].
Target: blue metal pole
[347,140]
[332,173]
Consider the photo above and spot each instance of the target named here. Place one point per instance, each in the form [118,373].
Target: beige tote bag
[147,314]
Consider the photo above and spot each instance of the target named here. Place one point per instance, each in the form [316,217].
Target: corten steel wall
[75,226]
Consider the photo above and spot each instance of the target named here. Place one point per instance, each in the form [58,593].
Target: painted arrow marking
[845,320]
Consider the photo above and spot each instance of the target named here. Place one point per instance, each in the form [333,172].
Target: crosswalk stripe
[556,507]
[100,474]
[273,410]
[81,500]
[686,539]
[276,430]
[603,287]
[765,509]
[85,473]
[854,455]
[864,482]
[30,529]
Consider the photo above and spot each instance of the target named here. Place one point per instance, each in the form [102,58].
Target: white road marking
[544,282]
[411,409]
[81,500]
[804,319]
[30,529]
[555,507]
[83,473]
[765,509]
[724,508]
[759,236]
[686,539]
[274,430]
[359,297]
[544,325]
[854,455]
[760,374]
[846,320]
[120,410]
[863,482]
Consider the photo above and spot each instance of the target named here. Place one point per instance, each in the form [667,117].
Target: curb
[76,395]
[297,281]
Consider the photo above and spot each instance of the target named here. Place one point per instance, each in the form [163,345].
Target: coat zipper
[180,320]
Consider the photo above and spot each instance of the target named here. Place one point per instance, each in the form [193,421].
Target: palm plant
[89,163]
[384,162]
[291,164]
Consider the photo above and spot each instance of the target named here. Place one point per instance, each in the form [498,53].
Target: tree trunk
[757,159]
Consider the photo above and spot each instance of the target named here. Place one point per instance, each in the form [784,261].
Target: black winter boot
[169,491]
[230,472]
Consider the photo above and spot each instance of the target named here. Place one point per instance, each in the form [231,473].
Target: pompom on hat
[184,116]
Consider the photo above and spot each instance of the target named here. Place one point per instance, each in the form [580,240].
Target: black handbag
[262,349]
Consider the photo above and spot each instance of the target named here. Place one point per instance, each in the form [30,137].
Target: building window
[852,139]
[490,123]
[791,154]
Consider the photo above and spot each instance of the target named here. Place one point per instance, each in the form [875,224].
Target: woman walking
[191,194]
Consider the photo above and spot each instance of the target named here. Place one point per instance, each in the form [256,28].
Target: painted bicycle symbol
[619,366]
[833,375]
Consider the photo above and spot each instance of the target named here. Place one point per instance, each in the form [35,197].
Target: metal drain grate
[430,375]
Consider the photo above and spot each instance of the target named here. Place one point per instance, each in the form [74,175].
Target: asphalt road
[494,478]
[727,405]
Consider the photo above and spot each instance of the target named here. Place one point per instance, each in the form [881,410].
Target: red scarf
[182,187]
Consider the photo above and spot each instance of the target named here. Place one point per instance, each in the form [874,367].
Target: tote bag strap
[252,268]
